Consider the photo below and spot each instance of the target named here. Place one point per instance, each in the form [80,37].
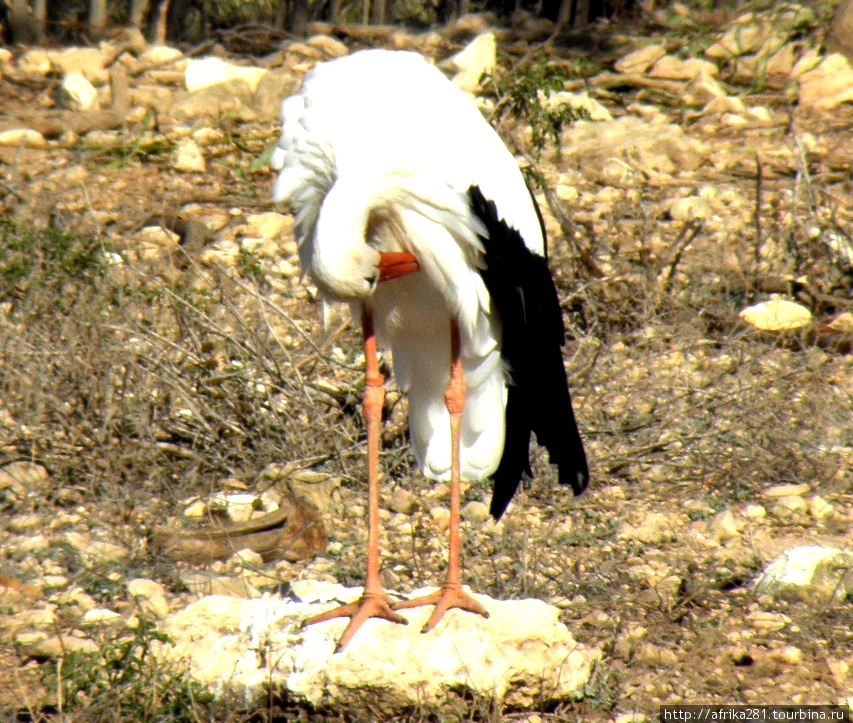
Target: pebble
[39,618]
[724,526]
[98,550]
[29,545]
[56,646]
[188,158]
[476,511]
[787,490]
[54,582]
[25,523]
[820,509]
[790,655]
[755,512]
[785,506]
[440,517]
[768,621]
[99,616]
[150,596]
[25,137]
[687,209]
[402,501]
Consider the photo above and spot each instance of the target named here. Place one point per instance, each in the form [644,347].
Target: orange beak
[393,264]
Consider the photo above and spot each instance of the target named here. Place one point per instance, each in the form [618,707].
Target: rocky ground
[162,367]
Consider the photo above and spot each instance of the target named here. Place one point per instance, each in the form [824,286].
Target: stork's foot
[449,597]
[370,605]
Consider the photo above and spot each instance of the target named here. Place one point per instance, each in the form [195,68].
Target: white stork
[408,204]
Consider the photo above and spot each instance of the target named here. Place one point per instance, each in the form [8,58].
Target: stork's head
[350,253]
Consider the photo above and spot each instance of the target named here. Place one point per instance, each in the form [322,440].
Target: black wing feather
[538,398]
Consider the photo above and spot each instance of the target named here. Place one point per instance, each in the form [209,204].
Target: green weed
[124,680]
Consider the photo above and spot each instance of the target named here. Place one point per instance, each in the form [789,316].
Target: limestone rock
[23,137]
[254,647]
[702,89]
[160,55]
[672,68]
[56,646]
[810,573]
[640,60]
[650,147]
[150,596]
[828,85]
[470,63]
[654,529]
[99,617]
[329,46]
[228,96]
[205,72]
[476,511]
[271,88]
[745,35]
[787,490]
[725,526]
[402,501]
[188,158]
[95,550]
[77,93]
[776,315]
[689,208]
[34,63]
[89,62]
[579,102]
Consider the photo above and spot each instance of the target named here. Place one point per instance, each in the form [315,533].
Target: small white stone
[724,526]
[476,511]
[787,490]
[205,72]
[789,655]
[689,208]
[477,58]
[77,93]
[820,508]
[755,512]
[640,60]
[99,616]
[26,137]
[188,157]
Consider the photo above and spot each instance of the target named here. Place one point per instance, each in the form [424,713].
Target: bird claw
[449,597]
[370,605]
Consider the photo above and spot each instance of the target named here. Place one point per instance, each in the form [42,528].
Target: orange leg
[374,602]
[451,595]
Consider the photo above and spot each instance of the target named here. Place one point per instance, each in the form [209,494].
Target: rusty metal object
[293,532]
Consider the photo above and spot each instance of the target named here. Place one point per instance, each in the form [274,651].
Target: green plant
[524,94]
[58,257]
[125,680]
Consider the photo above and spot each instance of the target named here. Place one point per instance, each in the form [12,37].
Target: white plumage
[381,145]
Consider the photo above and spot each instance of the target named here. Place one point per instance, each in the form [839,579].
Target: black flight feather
[538,399]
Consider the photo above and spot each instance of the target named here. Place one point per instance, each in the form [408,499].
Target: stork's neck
[343,264]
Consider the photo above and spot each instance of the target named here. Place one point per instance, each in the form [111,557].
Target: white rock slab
[810,573]
[470,63]
[205,72]
[776,315]
[522,655]
[77,93]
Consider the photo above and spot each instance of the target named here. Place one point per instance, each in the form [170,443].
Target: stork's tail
[538,398]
